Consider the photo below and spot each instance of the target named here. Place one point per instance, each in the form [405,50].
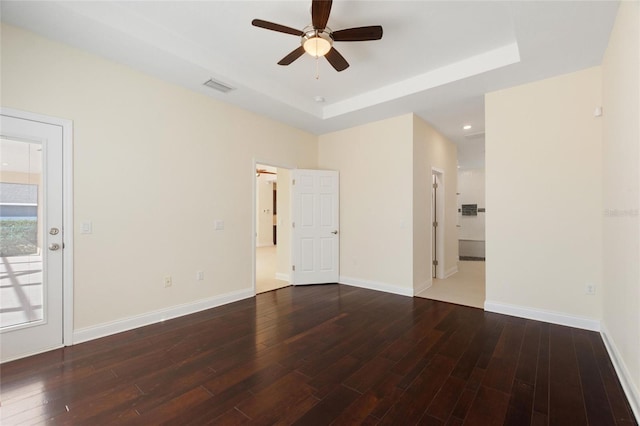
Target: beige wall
[544,195]
[432,150]
[375,165]
[154,166]
[621,158]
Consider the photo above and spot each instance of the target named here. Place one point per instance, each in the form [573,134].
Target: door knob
[334,232]
[54,246]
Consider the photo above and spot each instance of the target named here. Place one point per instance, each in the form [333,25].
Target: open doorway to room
[467,285]
[272,239]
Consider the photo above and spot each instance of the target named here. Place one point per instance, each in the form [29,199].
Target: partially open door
[316,237]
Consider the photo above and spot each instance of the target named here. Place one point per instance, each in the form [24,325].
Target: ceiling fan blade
[292,56]
[373,32]
[276,27]
[320,10]
[336,60]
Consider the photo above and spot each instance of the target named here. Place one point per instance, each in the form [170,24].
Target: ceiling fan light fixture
[317,43]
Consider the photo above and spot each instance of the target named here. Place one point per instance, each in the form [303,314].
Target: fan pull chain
[317,68]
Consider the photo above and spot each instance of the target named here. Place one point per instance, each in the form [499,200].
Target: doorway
[272,236]
[36,224]
[466,286]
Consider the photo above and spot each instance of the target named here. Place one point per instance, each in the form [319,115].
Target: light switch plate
[86,227]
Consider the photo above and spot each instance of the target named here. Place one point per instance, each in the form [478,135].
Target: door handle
[335,232]
[54,246]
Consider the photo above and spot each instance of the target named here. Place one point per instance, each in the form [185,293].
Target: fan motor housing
[316,42]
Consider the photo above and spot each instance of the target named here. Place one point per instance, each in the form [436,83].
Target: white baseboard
[283,277]
[422,287]
[451,271]
[542,315]
[630,389]
[107,329]
[373,285]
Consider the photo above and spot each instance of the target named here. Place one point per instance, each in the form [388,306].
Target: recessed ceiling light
[466,126]
[319,99]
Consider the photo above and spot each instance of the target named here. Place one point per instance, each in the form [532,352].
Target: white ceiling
[436,59]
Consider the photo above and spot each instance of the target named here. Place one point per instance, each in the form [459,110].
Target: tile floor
[266,270]
[466,287]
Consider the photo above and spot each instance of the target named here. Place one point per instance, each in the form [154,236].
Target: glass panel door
[31,237]
[21,290]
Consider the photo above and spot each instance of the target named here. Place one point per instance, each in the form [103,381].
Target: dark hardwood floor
[321,355]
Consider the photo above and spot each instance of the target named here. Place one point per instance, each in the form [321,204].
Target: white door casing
[53,328]
[316,230]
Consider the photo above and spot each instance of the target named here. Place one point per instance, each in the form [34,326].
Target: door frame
[254,194]
[67,212]
[440,214]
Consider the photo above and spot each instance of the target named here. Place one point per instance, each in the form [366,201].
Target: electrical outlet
[200,275]
[590,289]
[168,282]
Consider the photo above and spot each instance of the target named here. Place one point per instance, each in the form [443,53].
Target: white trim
[423,286]
[442,220]
[378,286]
[542,315]
[282,277]
[28,354]
[113,327]
[67,220]
[630,390]
[451,271]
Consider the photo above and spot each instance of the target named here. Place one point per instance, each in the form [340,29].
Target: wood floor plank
[369,374]
[326,411]
[277,399]
[502,367]
[520,404]
[446,399]
[619,404]
[541,393]
[566,401]
[414,402]
[488,408]
[320,355]
[595,395]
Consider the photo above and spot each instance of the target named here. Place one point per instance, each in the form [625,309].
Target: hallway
[466,287]
[266,260]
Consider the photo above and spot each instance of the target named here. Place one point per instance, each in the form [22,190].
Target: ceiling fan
[264,171]
[317,39]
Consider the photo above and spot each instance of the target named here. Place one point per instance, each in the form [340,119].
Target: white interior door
[31,244]
[316,236]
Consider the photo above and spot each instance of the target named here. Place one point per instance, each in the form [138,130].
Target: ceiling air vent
[477,135]
[219,86]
